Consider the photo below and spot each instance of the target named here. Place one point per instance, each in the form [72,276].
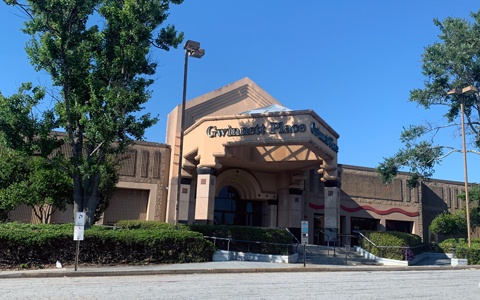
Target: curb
[88,273]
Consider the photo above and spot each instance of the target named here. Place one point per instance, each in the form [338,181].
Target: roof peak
[266,109]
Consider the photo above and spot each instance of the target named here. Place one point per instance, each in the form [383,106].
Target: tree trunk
[92,199]
[77,194]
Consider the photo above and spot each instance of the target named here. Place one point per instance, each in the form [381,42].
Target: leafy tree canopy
[102,74]
[473,194]
[451,63]
[34,182]
[455,224]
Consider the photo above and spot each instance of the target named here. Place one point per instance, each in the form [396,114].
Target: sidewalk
[218,267]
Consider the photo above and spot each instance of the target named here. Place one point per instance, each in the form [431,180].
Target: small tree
[455,224]
[449,224]
[34,182]
[448,64]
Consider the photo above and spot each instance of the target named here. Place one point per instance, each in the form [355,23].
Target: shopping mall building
[248,160]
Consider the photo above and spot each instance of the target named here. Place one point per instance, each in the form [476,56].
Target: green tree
[448,64]
[34,182]
[473,194]
[449,224]
[102,74]
[455,224]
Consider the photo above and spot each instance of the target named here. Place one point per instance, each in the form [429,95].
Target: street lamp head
[454,91]
[191,46]
[465,91]
[197,53]
[469,90]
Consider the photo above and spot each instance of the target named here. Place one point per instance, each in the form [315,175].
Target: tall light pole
[462,93]
[191,49]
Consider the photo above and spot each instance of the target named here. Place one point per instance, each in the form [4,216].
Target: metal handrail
[380,248]
[249,242]
[347,247]
[298,242]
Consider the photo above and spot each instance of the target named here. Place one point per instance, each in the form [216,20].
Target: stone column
[296,200]
[284,208]
[290,207]
[269,214]
[184,200]
[191,210]
[332,210]
[205,199]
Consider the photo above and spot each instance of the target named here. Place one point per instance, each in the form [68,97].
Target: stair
[322,255]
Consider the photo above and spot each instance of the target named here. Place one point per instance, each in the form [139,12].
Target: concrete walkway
[221,267]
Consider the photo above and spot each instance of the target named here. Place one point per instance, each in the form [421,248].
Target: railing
[335,241]
[407,251]
[249,243]
[298,242]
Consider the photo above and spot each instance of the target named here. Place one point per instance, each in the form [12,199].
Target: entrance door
[229,209]
[319,226]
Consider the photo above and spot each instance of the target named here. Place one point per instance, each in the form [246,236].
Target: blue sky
[352,62]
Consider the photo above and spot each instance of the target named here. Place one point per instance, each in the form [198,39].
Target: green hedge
[138,224]
[242,233]
[39,244]
[393,239]
[472,255]
[462,250]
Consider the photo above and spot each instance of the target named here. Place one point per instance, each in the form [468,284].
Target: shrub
[138,224]
[392,239]
[239,233]
[472,254]
[39,244]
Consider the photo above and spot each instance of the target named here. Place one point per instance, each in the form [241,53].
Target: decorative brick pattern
[157,164]
[368,186]
[129,162]
[145,163]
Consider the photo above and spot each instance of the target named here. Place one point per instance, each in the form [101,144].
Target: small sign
[80,219]
[78,233]
[305,226]
[304,232]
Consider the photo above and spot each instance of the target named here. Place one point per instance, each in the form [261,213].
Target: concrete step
[332,256]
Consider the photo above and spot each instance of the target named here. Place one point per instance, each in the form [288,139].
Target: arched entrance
[230,209]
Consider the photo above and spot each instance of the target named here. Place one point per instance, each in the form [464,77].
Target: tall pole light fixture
[191,49]
[462,93]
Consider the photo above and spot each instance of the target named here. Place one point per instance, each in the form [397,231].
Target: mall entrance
[230,209]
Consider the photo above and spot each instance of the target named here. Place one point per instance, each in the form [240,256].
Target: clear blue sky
[352,62]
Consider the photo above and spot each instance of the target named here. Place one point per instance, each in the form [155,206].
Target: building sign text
[271,128]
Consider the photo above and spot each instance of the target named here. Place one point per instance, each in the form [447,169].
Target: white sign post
[78,232]
[304,241]
[80,219]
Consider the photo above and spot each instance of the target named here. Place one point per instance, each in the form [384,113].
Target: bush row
[462,250]
[157,225]
[39,244]
[237,233]
[392,239]
[471,254]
